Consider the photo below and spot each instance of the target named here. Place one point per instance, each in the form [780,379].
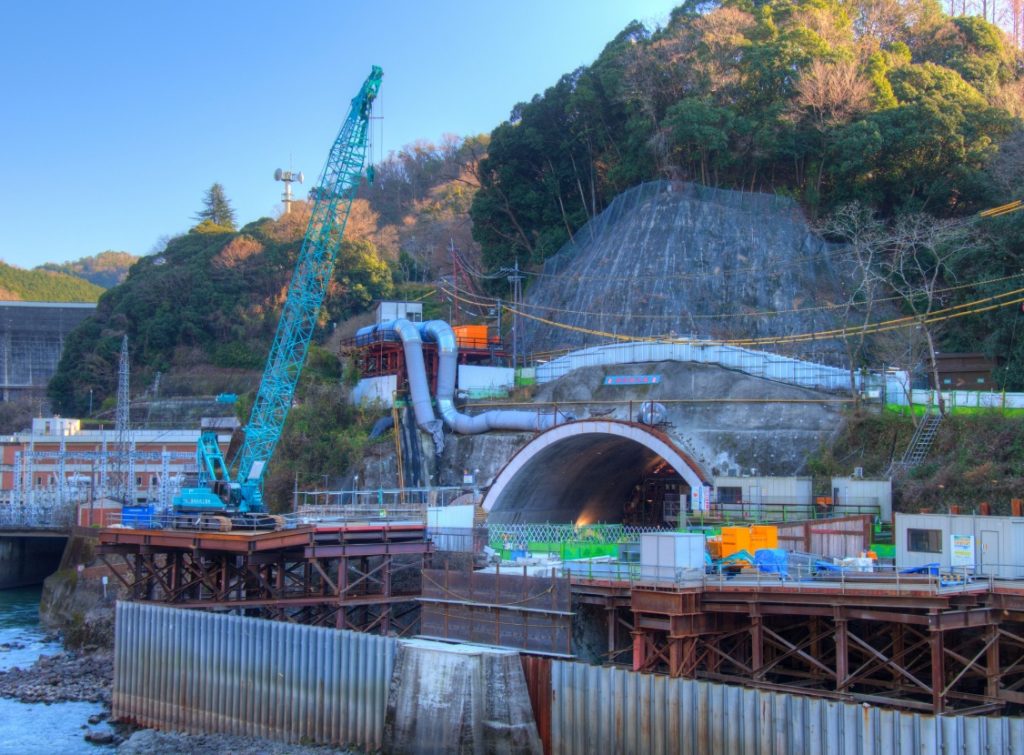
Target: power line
[758,313]
[881,327]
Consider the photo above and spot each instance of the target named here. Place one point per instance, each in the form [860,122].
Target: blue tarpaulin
[772,561]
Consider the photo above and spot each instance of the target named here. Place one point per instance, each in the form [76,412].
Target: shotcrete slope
[670,258]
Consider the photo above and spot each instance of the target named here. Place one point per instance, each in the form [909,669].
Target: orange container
[734,540]
[471,336]
[763,536]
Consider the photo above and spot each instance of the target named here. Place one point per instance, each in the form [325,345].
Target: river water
[25,728]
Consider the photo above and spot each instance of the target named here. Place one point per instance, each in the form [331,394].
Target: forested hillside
[43,285]
[105,269]
[896,106]
[887,124]
[204,310]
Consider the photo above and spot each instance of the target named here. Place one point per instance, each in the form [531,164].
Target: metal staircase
[920,444]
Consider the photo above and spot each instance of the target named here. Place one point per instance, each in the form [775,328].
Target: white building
[988,545]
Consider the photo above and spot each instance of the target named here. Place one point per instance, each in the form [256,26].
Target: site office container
[922,539]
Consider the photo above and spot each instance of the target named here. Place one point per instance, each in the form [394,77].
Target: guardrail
[798,577]
[310,500]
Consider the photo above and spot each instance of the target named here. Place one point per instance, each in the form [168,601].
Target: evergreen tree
[216,208]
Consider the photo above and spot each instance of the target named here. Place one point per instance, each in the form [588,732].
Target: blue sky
[117,116]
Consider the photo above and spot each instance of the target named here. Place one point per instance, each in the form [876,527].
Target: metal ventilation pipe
[412,345]
[441,332]
[465,424]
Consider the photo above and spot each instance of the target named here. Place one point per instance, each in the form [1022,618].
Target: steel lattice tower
[124,475]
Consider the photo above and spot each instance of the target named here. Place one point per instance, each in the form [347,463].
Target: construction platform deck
[909,641]
[913,642]
[361,575]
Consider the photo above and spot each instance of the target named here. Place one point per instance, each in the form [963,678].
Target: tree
[216,208]
[920,256]
[864,234]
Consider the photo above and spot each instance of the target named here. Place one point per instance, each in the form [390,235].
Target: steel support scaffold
[359,577]
[906,646]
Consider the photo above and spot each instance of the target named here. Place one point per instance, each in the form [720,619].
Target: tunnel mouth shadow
[587,472]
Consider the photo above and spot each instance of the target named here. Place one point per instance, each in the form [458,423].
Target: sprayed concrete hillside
[670,258]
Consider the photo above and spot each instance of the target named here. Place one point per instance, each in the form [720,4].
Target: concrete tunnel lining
[586,468]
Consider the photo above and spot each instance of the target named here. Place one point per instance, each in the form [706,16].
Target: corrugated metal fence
[203,672]
[597,710]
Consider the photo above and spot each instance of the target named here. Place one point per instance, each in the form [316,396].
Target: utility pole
[453,316]
[515,281]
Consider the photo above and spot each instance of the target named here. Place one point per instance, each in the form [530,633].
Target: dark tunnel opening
[590,478]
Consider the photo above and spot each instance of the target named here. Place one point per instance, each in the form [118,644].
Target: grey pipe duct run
[447,370]
[412,345]
[412,336]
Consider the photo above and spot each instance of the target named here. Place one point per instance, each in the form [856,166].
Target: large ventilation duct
[412,335]
[412,344]
[464,424]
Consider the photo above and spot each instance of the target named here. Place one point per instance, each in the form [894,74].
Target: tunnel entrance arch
[586,471]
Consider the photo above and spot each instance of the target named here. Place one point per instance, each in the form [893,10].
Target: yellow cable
[900,322]
[492,301]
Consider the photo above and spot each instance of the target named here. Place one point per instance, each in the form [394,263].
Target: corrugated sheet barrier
[607,710]
[202,672]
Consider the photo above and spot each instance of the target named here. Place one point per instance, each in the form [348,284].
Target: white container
[668,556]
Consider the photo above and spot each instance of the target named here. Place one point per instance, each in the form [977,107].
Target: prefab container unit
[388,311]
[667,556]
[851,493]
[926,539]
[481,381]
[763,497]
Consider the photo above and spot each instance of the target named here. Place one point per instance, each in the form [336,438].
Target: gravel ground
[64,677]
[149,741]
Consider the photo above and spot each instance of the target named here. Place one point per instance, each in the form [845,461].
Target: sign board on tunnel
[632,379]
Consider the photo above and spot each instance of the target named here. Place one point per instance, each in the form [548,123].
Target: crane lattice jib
[332,202]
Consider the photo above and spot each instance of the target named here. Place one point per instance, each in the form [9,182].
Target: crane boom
[241,493]
[332,201]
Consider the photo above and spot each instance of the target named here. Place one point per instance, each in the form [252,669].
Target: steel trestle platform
[361,576]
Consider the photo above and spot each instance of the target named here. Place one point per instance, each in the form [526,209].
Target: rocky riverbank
[64,677]
[149,741]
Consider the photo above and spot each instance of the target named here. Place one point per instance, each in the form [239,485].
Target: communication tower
[287,176]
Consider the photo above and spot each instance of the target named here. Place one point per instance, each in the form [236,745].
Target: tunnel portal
[595,471]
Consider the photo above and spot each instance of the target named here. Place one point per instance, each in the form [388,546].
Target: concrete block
[448,698]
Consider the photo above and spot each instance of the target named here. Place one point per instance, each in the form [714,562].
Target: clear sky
[115,117]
